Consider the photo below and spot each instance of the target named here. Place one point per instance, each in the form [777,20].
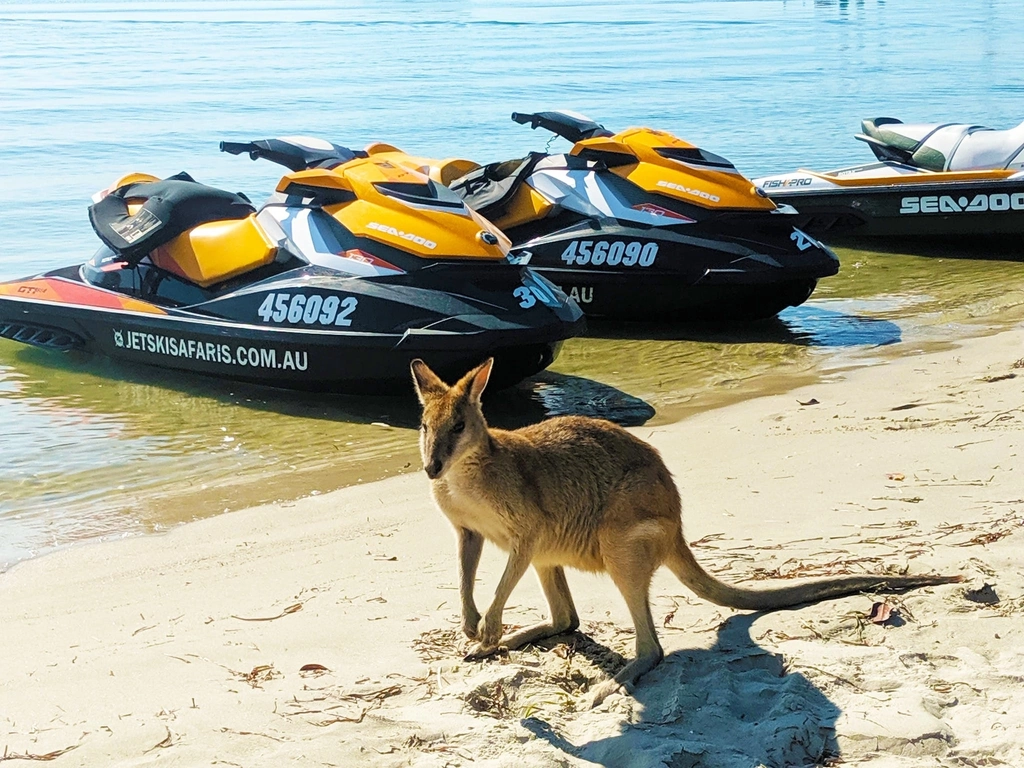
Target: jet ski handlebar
[569,126]
[238,147]
[296,153]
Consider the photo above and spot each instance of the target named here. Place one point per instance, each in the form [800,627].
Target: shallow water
[91,90]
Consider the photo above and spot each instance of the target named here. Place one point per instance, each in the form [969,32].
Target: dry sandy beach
[324,632]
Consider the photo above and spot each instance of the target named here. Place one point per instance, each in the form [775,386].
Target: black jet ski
[642,225]
[356,266]
[931,180]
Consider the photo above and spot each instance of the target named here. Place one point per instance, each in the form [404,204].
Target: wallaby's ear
[480,376]
[426,381]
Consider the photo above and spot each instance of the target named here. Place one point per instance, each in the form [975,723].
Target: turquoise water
[91,90]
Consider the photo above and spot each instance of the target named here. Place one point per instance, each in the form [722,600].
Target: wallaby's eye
[458,427]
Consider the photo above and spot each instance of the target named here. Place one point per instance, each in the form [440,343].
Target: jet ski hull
[894,207]
[678,275]
[61,311]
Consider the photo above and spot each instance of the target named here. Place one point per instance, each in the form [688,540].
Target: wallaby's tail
[690,572]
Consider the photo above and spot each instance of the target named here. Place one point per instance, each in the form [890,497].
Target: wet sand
[324,631]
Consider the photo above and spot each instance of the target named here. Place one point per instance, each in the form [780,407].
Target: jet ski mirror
[296,153]
[568,125]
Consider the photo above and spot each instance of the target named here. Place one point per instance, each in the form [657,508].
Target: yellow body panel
[659,175]
[378,147]
[527,205]
[427,231]
[924,177]
[315,177]
[135,177]
[216,251]
[451,168]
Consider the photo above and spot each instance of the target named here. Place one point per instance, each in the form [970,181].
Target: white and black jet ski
[931,180]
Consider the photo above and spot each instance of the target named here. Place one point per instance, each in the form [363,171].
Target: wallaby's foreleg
[471,544]
[631,571]
[563,612]
[489,633]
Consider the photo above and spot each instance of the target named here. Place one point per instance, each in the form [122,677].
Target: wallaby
[577,492]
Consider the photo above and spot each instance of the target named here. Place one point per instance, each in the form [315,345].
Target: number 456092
[601,252]
[311,309]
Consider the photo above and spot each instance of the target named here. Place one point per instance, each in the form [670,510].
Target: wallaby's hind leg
[563,612]
[631,566]
[490,626]
[471,544]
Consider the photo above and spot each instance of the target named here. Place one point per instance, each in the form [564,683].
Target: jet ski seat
[200,233]
[451,169]
[216,251]
[945,146]
[490,190]
[166,208]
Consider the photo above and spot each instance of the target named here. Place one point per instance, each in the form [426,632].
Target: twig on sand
[167,741]
[375,698]
[285,612]
[29,756]
[1001,414]
[250,733]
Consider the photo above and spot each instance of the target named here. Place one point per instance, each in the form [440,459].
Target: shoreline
[325,630]
[724,393]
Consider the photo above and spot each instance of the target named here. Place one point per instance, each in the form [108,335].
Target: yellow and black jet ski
[643,225]
[931,180]
[354,267]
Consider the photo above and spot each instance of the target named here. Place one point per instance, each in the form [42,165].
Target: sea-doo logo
[403,235]
[797,181]
[687,190]
[999,201]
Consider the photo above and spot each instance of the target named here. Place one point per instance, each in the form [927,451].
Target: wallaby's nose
[433,468]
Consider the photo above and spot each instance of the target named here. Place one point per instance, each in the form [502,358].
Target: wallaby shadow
[809,325]
[734,705]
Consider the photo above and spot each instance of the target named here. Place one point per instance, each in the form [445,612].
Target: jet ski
[642,225]
[354,267]
[930,180]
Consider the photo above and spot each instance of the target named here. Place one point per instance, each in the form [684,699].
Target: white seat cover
[986,148]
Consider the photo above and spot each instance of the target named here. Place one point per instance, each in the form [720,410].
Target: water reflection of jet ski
[931,180]
[643,225]
[353,268]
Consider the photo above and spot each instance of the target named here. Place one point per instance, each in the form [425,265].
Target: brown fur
[574,492]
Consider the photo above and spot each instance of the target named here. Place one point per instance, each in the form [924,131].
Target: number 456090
[583,252]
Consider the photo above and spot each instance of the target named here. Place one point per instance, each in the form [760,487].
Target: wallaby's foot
[603,691]
[488,637]
[532,634]
[517,639]
[471,625]
[626,679]
[481,652]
